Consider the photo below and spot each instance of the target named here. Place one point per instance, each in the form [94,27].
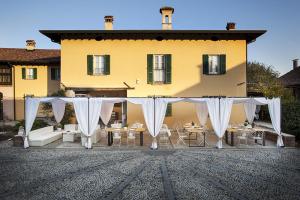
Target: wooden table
[110,135]
[196,131]
[234,131]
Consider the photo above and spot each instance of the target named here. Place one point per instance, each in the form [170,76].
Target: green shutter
[169,110]
[23,73]
[107,64]
[222,64]
[150,68]
[205,63]
[90,64]
[52,71]
[168,60]
[34,73]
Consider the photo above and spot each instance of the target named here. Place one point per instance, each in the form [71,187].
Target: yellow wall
[36,87]
[128,63]
[8,100]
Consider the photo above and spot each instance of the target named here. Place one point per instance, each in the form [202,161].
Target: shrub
[291,119]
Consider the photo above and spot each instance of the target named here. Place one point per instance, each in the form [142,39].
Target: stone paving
[38,173]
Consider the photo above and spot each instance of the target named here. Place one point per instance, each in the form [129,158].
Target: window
[214,64]
[55,73]
[167,19]
[5,75]
[29,73]
[159,68]
[99,65]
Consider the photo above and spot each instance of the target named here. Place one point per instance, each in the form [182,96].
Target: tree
[263,79]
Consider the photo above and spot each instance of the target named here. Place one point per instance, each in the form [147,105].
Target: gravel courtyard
[169,174]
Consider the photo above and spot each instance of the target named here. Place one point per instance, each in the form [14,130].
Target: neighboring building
[292,79]
[141,63]
[27,71]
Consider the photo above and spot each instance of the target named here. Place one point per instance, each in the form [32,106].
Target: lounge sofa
[95,137]
[43,136]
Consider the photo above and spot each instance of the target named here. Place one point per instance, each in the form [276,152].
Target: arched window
[1,106]
[167,19]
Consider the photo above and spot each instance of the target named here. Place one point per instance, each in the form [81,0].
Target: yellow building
[141,63]
[27,71]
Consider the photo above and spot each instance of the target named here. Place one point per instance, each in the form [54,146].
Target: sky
[21,20]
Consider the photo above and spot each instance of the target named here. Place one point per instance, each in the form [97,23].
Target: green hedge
[291,119]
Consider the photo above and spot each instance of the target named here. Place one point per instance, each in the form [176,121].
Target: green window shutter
[90,65]
[168,60]
[107,64]
[34,73]
[52,74]
[222,64]
[23,73]
[150,68]
[205,63]
[169,110]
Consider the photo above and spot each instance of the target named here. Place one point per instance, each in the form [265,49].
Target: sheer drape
[202,112]
[58,108]
[250,111]
[31,108]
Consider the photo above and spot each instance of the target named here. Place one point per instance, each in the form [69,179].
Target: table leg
[189,139]
[232,139]
[111,138]
[204,138]
[108,139]
[226,137]
[263,139]
[141,138]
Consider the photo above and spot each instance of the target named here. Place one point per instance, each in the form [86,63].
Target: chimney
[295,63]
[30,45]
[166,13]
[108,22]
[230,26]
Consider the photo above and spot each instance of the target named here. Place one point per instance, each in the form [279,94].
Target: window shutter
[90,64]
[169,110]
[52,74]
[222,64]
[205,63]
[34,73]
[150,68]
[168,74]
[107,64]
[23,73]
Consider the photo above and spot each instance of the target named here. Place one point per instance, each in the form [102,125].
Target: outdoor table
[196,131]
[110,135]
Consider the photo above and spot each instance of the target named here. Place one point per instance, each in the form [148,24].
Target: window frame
[155,69]
[29,76]
[218,67]
[95,67]
[6,74]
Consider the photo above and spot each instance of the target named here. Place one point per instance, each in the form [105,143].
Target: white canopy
[88,111]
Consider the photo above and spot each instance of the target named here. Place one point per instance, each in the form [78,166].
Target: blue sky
[20,20]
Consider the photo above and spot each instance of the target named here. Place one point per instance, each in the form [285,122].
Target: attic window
[167,19]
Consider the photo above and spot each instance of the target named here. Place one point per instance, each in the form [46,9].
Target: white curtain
[106,110]
[250,111]
[81,112]
[94,114]
[58,107]
[219,113]
[275,115]
[202,113]
[31,108]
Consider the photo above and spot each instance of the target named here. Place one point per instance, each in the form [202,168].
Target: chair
[131,136]
[117,137]
[244,137]
[181,136]
[258,135]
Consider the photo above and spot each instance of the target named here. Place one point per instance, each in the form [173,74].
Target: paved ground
[143,174]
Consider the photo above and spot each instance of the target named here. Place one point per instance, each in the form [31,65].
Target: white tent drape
[250,111]
[275,115]
[58,107]
[219,112]
[31,108]
[106,110]
[81,112]
[95,105]
[202,112]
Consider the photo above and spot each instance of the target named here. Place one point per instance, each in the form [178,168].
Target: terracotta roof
[292,78]
[23,56]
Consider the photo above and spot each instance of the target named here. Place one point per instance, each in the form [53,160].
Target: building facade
[27,71]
